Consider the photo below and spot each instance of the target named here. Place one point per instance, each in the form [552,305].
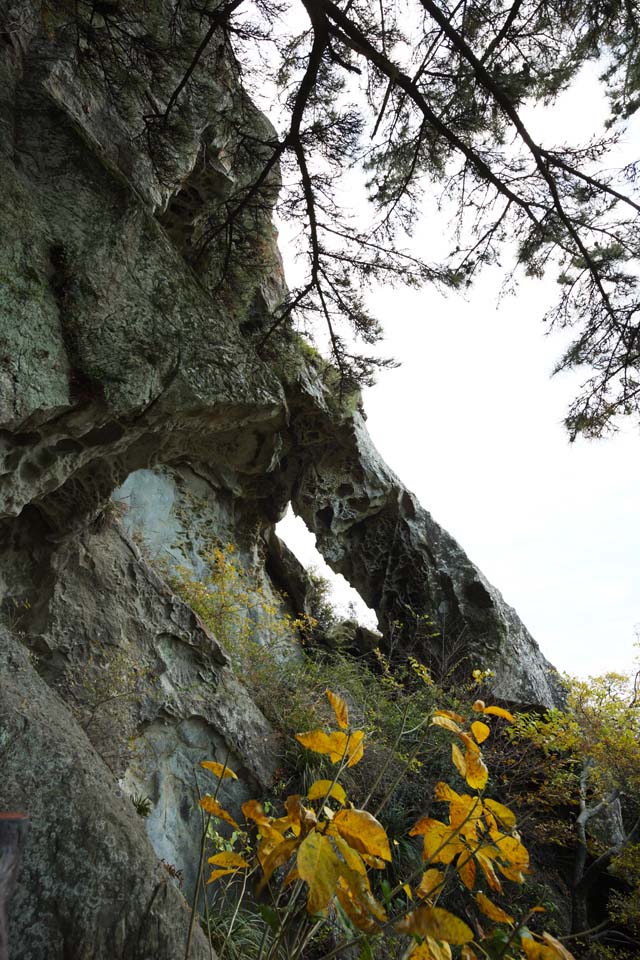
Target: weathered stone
[151,687]
[180,515]
[419,581]
[351,636]
[90,886]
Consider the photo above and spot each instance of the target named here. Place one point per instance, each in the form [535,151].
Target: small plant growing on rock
[142,805]
[252,626]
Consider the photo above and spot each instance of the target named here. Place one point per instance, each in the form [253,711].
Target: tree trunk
[13,830]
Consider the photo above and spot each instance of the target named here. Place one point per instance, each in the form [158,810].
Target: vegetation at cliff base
[536,856]
[321,860]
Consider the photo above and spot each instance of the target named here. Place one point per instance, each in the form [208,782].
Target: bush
[321,860]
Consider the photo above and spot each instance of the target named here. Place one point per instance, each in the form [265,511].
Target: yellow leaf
[440,843]
[450,714]
[319,867]
[267,845]
[276,858]
[282,824]
[253,810]
[499,712]
[501,813]
[363,832]
[359,889]
[218,769]
[537,951]
[557,946]
[491,910]
[437,923]
[337,745]
[298,816]
[467,953]
[470,744]
[425,824]
[432,881]
[350,857]
[465,813]
[467,872]
[321,788]
[487,868]
[431,949]
[358,915]
[511,873]
[216,874]
[229,860]
[511,850]
[407,889]
[355,748]
[480,731]
[438,949]
[213,808]
[321,742]
[458,759]
[477,773]
[374,862]
[443,791]
[270,838]
[293,807]
[339,708]
[438,720]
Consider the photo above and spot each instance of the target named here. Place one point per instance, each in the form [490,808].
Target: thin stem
[203,845]
[194,906]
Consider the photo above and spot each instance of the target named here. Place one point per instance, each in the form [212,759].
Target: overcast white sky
[472,423]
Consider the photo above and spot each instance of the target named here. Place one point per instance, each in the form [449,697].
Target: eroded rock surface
[90,883]
[130,355]
[416,577]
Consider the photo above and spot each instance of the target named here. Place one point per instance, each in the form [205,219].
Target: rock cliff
[131,365]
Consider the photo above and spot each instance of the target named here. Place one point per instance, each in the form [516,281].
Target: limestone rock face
[131,361]
[90,884]
[151,687]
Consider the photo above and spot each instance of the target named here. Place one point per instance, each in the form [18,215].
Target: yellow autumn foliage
[328,851]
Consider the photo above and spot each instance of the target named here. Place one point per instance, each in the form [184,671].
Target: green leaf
[270,917]
[366,953]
